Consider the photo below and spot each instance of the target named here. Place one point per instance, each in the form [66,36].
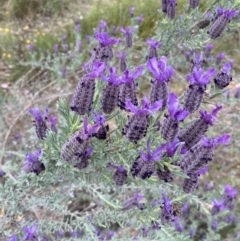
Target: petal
[158,151]
[162,64]
[182,115]
[173,104]
[156,106]
[152,66]
[224,139]
[216,110]
[130,106]
[226,67]
[145,103]
[137,72]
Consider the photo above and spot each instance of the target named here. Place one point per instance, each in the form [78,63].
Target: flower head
[152,155]
[198,77]
[13,238]
[153,43]
[113,78]
[160,69]
[230,191]
[105,40]
[227,67]
[98,119]
[35,112]
[127,30]
[88,130]
[131,11]
[172,147]
[30,233]
[97,69]
[210,117]
[174,108]
[223,139]
[146,107]
[129,77]
[167,203]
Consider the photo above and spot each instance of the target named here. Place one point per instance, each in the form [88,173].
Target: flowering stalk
[193,132]
[77,150]
[120,174]
[39,122]
[162,74]
[84,92]
[138,123]
[194,3]
[220,23]
[170,126]
[128,35]
[154,45]
[223,79]
[171,8]
[110,93]
[123,64]
[190,184]
[128,90]
[144,165]
[196,89]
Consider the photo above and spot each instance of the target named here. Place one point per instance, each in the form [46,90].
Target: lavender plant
[97,177]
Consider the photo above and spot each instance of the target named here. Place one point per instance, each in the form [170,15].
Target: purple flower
[30,233]
[171,8]
[192,232]
[56,49]
[178,226]
[128,35]
[105,40]
[131,11]
[166,214]
[88,130]
[199,77]
[190,184]
[214,225]
[223,79]
[102,26]
[223,139]
[120,175]
[33,164]
[202,171]
[53,123]
[154,45]
[210,118]
[13,238]
[208,49]
[230,193]
[197,61]
[217,206]
[220,57]
[140,19]
[39,122]
[2,173]
[160,69]
[123,64]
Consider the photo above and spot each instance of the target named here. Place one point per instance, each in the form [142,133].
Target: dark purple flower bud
[30,233]
[190,184]
[110,93]
[128,35]
[154,45]
[194,94]
[162,74]
[203,23]
[219,58]
[193,132]
[166,214]
[53,123]
[33,164]
[214,225]
[138,123]
[2,173]
[123,64]
[237,93]
[120,176]
[77,148]
[133,201]
[217,206]
[144,165]
[39,122]
[131,12]
[223,79]
[171,8]
[170,126]
[164,5]
[221,23]
[165,175]
[208,49]
[194,3]
[140,19]
[84,92]
[56,49]
[128,90]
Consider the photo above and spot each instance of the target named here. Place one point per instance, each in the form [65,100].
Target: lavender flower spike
[170,126]
[154,45]
[84,92]
[123,64]
[194,94]
[30,233]
[167,214]
[171,8]
[120,176]
[221,23]
[229,195]
[162,74]
[190,184]
[128,35]
[164,5]
[194,3]
[138,123]
[193,132]
[77,150]
[110,93]
[101,134]
[33,164]
[223,79]
[39,122]
[128,89]
[103,52]
[144,165]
